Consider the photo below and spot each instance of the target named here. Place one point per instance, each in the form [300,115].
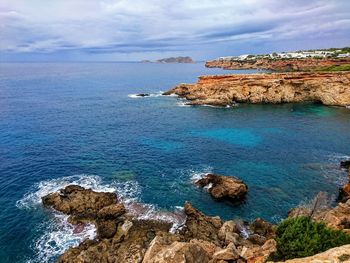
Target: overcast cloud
[132,30]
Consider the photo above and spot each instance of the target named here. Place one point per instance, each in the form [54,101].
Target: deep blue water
[73,122]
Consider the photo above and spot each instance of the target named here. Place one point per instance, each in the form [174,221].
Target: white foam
[58,237]
[33,198]
[150,212]
[182,104]
[347,107]
[156,94]
[196,175]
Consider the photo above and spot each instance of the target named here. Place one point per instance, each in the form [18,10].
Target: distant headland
[333,59]
[171,60]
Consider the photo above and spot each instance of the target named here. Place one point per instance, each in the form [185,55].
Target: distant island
[171,60]
[333,59]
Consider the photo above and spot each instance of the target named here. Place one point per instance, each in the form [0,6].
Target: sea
[81,123]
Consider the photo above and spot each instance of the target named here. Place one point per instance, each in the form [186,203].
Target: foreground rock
[344,191]
[222,90]
[223,187]
[306,64]
[333,255]
[123,238]
[82,203]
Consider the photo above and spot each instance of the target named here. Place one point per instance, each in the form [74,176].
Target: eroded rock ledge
[221,90]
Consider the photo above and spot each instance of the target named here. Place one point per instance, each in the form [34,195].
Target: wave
[33,198]
[58,235]
[196,174]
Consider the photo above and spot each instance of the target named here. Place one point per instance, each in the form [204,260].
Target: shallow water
[79,123]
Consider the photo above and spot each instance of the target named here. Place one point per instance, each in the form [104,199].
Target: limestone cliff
[332,88]
[306,64]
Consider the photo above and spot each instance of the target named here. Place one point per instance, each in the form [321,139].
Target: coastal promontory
[328,88]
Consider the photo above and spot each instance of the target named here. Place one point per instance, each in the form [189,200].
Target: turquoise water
[79,123]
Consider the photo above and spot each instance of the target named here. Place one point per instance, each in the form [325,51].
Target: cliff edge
[328,88]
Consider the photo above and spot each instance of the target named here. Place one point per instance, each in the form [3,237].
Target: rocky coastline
[328,88]
[300,64]
[122,237]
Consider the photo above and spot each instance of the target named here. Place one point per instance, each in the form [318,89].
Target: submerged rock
[221,187]
[143,95]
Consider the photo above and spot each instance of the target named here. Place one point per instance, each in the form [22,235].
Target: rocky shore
[122,237]
[331,88]
[307,64]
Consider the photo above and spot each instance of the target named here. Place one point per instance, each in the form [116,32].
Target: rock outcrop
[344,191]
[175,60]
[222,90]
[223,187]
[306,64]
[123,238]
[334,255]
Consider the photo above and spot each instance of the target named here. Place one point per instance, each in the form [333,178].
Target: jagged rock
[199,226]
[263,228]
[329,88]
[345,164]
[334,255]
[344,191]
[220,186]
[180,252]
[158,243]
[227,233]
[259,254]
[106,228]
[76,200]
[143,95]
[111,212]
[230,253]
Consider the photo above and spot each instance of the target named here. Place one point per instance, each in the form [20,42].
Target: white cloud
[131,26]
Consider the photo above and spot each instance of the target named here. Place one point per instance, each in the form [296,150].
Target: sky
[124,30]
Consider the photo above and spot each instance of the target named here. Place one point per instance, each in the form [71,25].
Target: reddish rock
[329,88]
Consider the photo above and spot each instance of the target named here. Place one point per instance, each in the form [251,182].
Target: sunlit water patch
[238,136]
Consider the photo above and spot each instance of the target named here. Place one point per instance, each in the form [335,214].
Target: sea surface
[81,123]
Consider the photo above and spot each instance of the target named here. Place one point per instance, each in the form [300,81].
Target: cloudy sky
[149,29]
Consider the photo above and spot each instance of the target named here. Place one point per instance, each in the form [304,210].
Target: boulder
[230,253]
[344,191]
[223,187]
[263,228]
[143,95]
[111,212]
[106,228]
[345,164]
[259,254]
[200,226]
[76,200]
[180,252]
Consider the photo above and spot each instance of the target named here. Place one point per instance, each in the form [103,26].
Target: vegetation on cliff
[302,237]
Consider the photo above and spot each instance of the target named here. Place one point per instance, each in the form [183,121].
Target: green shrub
[302,237]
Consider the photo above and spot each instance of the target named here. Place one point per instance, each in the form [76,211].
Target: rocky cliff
[306,64]
[332,88]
